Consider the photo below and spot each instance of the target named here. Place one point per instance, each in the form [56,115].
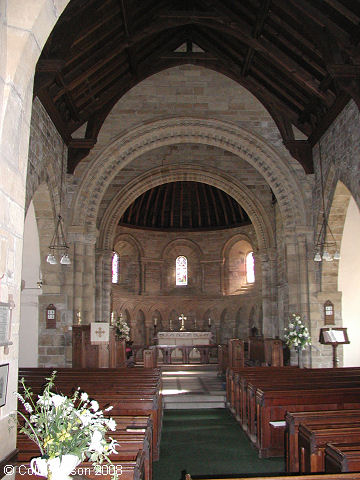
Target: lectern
[334,336]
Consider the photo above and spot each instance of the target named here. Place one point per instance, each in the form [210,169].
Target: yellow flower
[48,441]
[63,435]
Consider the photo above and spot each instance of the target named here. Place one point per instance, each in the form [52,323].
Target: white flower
[28,407]
[85,417]
[57,400]
[96,442]
[44,400]
[111,424]
[108,408]
[20,397]
[94,405]
[84,396]
[291,325]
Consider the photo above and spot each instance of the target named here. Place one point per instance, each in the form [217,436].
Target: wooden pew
[294,419]
[127,469]
[325,476]
[312,387]
[342,457]
[313,439]
[273,405]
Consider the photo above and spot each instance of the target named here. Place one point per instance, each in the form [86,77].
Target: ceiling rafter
[300,59]
[258,27]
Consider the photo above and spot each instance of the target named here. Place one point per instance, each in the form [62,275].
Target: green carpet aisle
[207,442]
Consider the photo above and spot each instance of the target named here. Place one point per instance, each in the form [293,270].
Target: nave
[208,442]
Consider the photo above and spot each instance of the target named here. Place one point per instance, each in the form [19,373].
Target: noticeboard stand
[334,336]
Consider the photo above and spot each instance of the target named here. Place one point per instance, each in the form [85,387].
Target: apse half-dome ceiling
[185,206]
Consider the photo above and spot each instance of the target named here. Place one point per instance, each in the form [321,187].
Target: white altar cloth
[184,338]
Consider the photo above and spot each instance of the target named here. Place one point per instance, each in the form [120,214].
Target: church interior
[188,170]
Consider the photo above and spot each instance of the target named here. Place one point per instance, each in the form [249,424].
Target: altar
[184,338]
[184,346]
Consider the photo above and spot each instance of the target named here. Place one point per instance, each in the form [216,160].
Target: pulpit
[84,353]
[87,354]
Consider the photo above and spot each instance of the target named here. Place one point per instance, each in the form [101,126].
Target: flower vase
[55,468]
[300,358]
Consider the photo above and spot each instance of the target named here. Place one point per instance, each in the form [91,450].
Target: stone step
[194,405]
[216,400]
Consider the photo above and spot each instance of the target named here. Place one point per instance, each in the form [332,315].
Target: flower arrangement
[61,425]
[122,329]
[296,334]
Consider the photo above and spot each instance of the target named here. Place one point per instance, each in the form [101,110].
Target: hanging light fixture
[325,243]
[58,245]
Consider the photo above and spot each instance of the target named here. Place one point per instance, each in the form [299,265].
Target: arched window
[250,271]
[115,265]
[181,270]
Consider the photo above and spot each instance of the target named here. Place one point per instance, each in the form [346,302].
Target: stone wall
[46,167]
[340,157]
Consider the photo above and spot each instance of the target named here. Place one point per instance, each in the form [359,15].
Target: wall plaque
[4,373]
[4,323]
[329,315]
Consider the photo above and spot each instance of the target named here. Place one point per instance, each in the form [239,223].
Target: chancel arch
[217,133]
[161,175]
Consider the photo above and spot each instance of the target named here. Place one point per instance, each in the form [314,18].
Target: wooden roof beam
[301,150]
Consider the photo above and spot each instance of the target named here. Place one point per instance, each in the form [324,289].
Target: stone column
[299,261]
[268,284]
[103,284]
[83,241]
[106,285]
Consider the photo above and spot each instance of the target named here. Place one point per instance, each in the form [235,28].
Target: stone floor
[192,386]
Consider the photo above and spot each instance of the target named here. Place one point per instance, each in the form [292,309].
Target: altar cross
[100,332]
[182,318]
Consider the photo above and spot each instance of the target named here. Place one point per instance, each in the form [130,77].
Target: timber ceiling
[300,58]
[184,206]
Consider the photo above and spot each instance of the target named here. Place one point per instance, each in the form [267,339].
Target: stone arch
[158,133]
[233,274]
[194,255]
[158,176]
[226,330]
[241,330]
[338,198]
[130,254]
[139,330]
[252,320]
[156,314]
[174,323]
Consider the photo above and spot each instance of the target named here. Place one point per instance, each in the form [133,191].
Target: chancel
[194,166]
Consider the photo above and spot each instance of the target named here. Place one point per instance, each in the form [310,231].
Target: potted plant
[297,336]
[67,430]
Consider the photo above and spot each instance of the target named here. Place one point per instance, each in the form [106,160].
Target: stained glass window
[115,268]
[250,270]
[181,270]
